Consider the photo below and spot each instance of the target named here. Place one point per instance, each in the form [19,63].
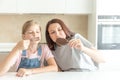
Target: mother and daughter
[30,56]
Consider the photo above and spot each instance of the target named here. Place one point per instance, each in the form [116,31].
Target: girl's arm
[9,61]
[13,55]
[52,66]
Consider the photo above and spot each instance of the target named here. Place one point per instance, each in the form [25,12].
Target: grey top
[71,59]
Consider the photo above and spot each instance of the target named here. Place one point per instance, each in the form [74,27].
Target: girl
[28,54]
[77,55]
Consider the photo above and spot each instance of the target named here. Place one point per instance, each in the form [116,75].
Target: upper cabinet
[79,6]
[40,6]
[46,6]
[8,6]
[105,7]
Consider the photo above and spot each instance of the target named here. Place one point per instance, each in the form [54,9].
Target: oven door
[108,36]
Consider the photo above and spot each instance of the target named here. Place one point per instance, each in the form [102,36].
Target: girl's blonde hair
[28,24]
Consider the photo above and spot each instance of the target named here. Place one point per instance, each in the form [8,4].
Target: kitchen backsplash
[11,25]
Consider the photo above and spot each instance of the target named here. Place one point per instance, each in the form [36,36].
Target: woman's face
[33,34]
[55,31]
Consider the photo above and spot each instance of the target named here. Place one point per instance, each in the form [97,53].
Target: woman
[78,55]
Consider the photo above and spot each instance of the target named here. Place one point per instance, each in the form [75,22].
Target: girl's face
[55,31]
[33,34]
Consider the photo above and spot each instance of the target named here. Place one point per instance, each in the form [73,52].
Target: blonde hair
[28,24]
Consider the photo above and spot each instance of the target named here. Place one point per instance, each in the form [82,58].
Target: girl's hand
[23,44]
[23,72]
[76,43]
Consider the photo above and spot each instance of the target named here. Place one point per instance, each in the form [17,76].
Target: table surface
[109,75]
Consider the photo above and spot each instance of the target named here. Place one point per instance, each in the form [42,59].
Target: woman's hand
[23,72]
[76,43]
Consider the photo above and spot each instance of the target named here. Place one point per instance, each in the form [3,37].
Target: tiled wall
[11,25]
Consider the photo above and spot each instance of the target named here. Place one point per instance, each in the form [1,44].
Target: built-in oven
[108,29]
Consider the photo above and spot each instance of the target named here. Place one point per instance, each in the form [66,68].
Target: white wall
[92,25]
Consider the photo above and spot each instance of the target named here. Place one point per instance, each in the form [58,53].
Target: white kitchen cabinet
[7,6]
[46,6]
[79,6]
[108,7]
[40,6]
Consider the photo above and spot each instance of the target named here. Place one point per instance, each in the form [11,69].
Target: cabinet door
[40,6]
[79,6]
[7,6]
[105,7]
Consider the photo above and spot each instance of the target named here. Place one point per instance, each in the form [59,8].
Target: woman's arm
[91,52]
[94,54]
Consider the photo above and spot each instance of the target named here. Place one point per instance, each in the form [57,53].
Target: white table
[114,75]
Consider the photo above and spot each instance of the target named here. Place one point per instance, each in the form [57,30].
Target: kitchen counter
[100,75]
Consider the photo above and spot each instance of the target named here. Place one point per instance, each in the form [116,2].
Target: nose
[34,34]
[57,34]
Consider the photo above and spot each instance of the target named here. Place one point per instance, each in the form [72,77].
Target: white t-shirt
[71,59]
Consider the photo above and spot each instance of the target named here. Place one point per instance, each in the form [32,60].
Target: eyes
[32,32]
[54,31]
